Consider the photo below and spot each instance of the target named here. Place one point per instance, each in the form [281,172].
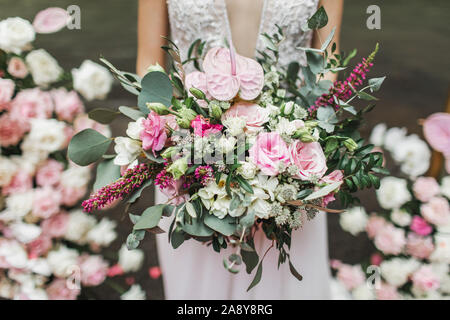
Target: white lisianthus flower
[43,67]
[393,193]
[75,177]
[377,135]
[92,80]
[413,154]
[103,233]
[401,217]
[225,145]
[16,34]
[441,252]
[396,271]
[62,261]
[234,125]
[46,135]
[25,232]
[363,292]
[130,260]
[445,186]
[78,226]
[127,150]
[7,170]
[354,220]
[393,137]
[247,170]
[134,293]
[13,254]
[134,128]
[286,127]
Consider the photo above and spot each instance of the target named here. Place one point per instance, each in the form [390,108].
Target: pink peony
[419,247]
[254,115]
[50,20]
[32,103]
[58,290]
[269,152]
[49,173]
[436,130]
[425,188]
[21,182]
[67,104]
[420,226]
[436,211]
[374,224]
[46,202]
[202,127]
[309,159]
[350,276]
[39,246]
[155,272]
[11,130]
[390,240]
[7,87]
[387,292]
[197,80]
[55,226]
[93,270]
[17,68]
[424,279]
[154,134]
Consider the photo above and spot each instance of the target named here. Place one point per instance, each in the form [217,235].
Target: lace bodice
[208,20]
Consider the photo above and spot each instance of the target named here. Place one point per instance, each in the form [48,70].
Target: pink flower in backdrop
[390,240]
[155,272]
[82,122]
[350,276]
[197,80]
[46,202]
[39,246]
[22,181]
[58,290]
[70,196]
[93,270]
[418,246]
[387,292]
[154,134]
[172,192]
[436,211]
[309,159]
[17,68]
[7,87]
[32,103]
[420,226]
[436,130]
[56,225]
[335,176]
[67,104]
[49,173]
[425,188]
[11,130]
[424,279]
[203,128]
[115,270]
[51,20]
[374,224]
[254,115]
[269,152]
[376,259]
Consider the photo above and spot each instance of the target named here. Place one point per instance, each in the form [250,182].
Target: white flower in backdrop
[441,252]
[16,34]
[45,135]
[12,254]
[92,80]
[25,232]
[397,270]
[62,261]
[393,193]
[103,233]
[378,134]
[401,217]
[17,206]
[393,137]
[413,154]
[354,220]
[7,170]
[445,186]
[134,293]
[363,292]
[43,67]
[130,260]
[79,225]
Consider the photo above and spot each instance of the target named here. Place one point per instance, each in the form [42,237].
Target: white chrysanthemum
[134,293]
[127,150]
[354,220]
[134,128]
[130,260]
[103,233]
[63,261]
[393,138]
[445,186]
[377,135]
[78,226]
[46,135]
[16,34]
[397,270]
[393,193]
[92,80]
[401,217]
[7,170]
[43,67]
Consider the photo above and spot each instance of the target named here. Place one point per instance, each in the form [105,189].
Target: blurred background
[414,41]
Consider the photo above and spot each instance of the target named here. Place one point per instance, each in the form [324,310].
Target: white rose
[103,233]
[393,137]
[354,220]
[127,150]
[441,252]
[7,170]
[445,186]
[397,270]
[62,260]
[13,254]
[76,177]
[92,80]
[25,232]
[43,67]
[18,205]
[134,128]
[377,135]
[78,226]
[15,34]
[134,293]
[234,125]
[363,292]
[46,135]
[401,217]
[247,170]
[130,260]
[393,193]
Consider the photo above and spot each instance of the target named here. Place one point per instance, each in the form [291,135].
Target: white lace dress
[194,271]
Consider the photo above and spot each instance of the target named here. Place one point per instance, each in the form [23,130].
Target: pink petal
[222,87]
[252,79]
[50,20]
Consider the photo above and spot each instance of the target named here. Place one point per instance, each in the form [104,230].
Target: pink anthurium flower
[50,20]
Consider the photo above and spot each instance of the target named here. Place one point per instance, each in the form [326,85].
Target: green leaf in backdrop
[88,146]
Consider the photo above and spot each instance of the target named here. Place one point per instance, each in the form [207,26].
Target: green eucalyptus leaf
[177,238]
[156,87]
[375,83]
[315,61]
[319,19]
[197,228]
[88,146]
[150,217]
[107,172]
[103,115]
[226,226]
[327,118]
[328,40]
[322,192]
[131,113]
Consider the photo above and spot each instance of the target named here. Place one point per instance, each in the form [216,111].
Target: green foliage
[88,146]
[107,172]
[156,87]
[103,116]
[131,112]
[318,20]
[150,217]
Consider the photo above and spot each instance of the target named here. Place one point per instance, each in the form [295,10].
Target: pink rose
[32,103]
[55,226]
[82,122]
[269,152]
[93,270]
[21,182]
[49,173]
[46,202]
[419,247]
[39,246]
[154,134]
[374,225]
[228,73]
[436,211]
[202,127]
[7,87]
[50,20]
[387,292]
[67,104]
[390,240]
[254,115]
[58,290]
[197,80]
[11,130]
[309,159]
[420,226]
[425,188]
[350,276]
[424,279]
[70,196]
[436,130]
[17,68]
[172,192]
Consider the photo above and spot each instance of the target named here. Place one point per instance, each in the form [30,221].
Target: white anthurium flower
[134,128]
[127,150]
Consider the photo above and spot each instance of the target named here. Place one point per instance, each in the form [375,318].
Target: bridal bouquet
[48,247]
[412,232]
[238,146]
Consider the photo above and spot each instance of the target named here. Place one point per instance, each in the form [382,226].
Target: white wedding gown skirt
[195,271]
